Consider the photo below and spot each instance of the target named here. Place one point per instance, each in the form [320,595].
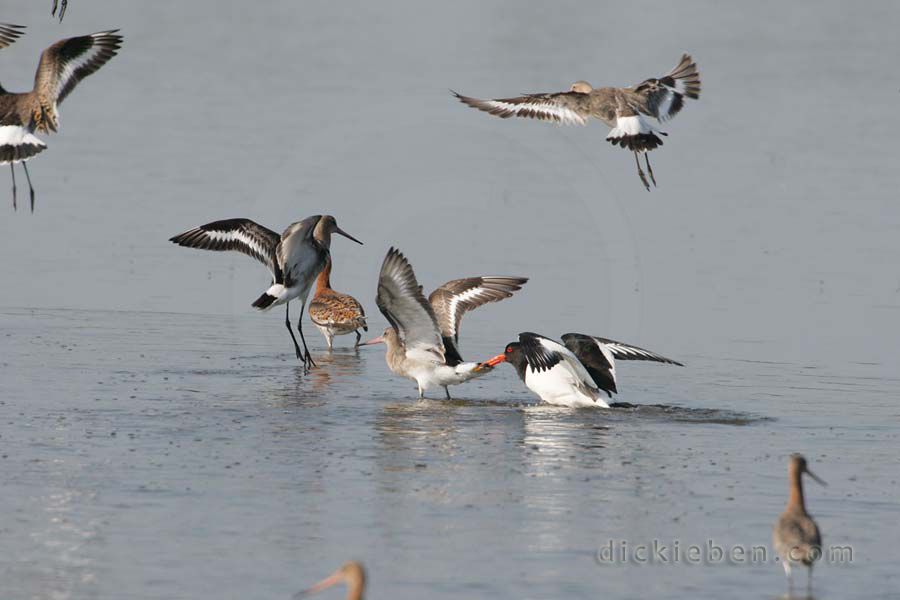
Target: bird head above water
[512,354]
[389,338]
[581,87]
[352,573]
[797,467]
[325,227]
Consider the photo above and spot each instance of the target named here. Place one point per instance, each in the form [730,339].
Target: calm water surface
[158,439]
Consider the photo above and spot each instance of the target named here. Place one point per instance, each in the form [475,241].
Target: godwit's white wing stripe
[453,299]
[17,144]
[241,235]
[561,108]
[68,61]
[402,303]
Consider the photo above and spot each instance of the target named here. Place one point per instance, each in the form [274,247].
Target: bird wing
[623,351]
[337,309]
[68,61]
[565,108]
[542,354]
[299,253]
[402,303]
[9,33]
[796,535]
[243,235]
[597,359]
[663,97]
[453,299]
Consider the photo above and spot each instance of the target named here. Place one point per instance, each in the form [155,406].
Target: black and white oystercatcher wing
[401,301]
[453,299]
[555,373]
[664,96]
[9,33]
[565,108]
[68,61]
[623,351]
[242,235]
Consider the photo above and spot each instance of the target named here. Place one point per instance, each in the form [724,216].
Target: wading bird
[575,374]
[796,536]
[423,336]
[62,66]
[294,258]
[634,113]
[334,313]
[352,574]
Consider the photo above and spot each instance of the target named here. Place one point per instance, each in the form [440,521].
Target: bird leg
[447,391]
[30,188]
[62,9]
[421,393]
[287,322]
[643,177]
[649,168]
[358,338]
[13,171]
[308,362]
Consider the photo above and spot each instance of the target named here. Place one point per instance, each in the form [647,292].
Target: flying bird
[334,313]
[575,373]
[295,258]
[422,341]
[61,67]
[796,536]
[634,113]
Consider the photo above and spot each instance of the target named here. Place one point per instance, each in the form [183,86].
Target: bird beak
[493,362]
[346,235]
[819,481]
[325,583]
[378,340]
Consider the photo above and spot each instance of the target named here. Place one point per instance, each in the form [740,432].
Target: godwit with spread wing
[335,313]
[574,374]
[352,574]
[633,112]
[796,536]
[294,258]
[422,339]
[62,66]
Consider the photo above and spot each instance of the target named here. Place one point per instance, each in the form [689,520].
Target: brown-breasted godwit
[352,574]
[294,258]
[796,536]
[422,339]
[62,66]
[575,374]
[634,113]
[335,313]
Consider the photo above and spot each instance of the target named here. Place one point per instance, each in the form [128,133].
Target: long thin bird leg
[308,362]
[649,168]
[447,391]
[643,177]
[287,322]
[358,338]
[30,188]
[13,171]
[62,9]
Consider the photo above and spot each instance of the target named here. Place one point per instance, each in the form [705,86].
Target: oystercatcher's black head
[514,356]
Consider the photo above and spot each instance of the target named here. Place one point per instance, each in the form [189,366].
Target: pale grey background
[766,260]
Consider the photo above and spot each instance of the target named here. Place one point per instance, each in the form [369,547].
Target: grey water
[158,439]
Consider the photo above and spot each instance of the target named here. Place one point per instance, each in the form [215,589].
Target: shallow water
[159,440]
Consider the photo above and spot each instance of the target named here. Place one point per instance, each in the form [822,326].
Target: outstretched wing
[543,354]
[9,33]
[68,61]
[664,96]
[453,299]
[242,235]
[565,108]
[622,351]
[402,303]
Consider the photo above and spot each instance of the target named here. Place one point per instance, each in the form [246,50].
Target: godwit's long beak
[346,235]
[325,583]
[819,481]
[493,362]
[378,340]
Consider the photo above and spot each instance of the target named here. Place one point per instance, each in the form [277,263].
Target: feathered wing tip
[686,77]
[9,33]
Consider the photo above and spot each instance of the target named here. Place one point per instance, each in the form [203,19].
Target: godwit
[62,9]
[633,112]
[335,313]
[422,339]
[796,536]
[352,573]
[294,258]
[573,374]
[62,66]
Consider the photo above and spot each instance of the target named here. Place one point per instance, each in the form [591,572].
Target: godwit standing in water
[633,112]
[574,374]
[352,574]
[796,536]
[335,313]
[62,66]
[295,258]
[62,8]
[422,339]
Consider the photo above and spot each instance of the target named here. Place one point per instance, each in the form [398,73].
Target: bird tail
[18,144]
[271,297]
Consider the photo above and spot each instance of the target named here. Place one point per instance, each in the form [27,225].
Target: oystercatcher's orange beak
[496,360]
